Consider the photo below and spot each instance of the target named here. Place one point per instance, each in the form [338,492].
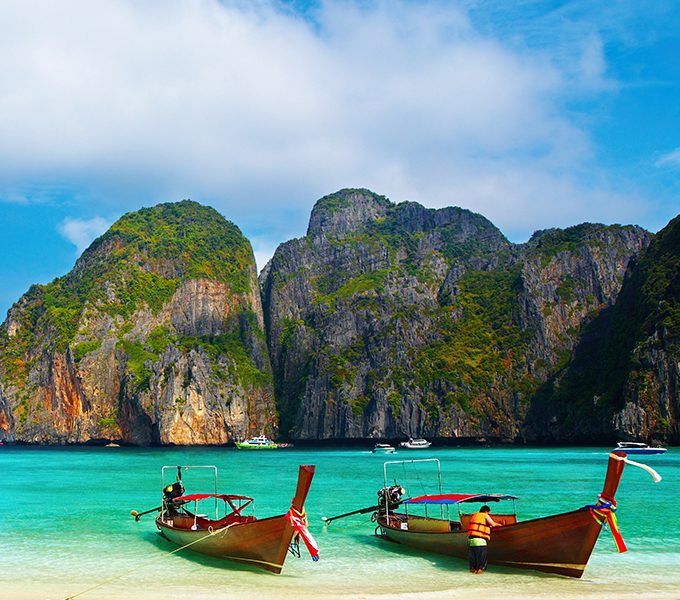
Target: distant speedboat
[417,444]
[383,449]
[639,448]
[261,442]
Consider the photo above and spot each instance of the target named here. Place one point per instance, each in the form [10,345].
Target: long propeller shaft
[136,514]
[359,511]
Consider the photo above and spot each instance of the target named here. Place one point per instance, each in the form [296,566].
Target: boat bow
[296,518]
[605,509]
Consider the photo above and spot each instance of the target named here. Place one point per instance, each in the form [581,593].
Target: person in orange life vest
[479,534]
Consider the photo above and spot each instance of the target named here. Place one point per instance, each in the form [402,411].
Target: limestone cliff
[390,320]
[155,336]
[624,379]
[384,320]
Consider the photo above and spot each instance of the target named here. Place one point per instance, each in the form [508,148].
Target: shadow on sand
[441,561]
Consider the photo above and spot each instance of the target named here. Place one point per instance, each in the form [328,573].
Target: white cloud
[258,111]
[592,64]
[672,159]
[81,232]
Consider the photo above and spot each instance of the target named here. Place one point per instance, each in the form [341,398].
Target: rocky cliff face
[568,277]
[650,397]
[156,336]
[624,378]
[390,320]
[385,320]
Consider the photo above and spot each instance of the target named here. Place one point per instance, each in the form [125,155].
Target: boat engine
[170,492]
[390,498]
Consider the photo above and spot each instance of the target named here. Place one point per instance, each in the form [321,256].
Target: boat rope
[140,566]
[604,513]
[298,521]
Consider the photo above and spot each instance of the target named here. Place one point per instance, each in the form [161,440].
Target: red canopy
[456,498]
[225,497]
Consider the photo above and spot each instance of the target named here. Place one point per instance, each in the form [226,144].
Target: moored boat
[560,544]
[260,442]
[415,444]
[231,534]
[639,448]
[383,449]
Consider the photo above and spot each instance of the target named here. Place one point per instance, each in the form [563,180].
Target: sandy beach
[491,588]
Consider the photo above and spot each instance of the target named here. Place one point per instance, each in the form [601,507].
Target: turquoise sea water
[65,525]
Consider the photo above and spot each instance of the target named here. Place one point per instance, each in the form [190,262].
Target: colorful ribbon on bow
[298,521]
[604,511]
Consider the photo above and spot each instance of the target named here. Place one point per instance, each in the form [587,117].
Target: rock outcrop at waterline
[155,336]
[390,320]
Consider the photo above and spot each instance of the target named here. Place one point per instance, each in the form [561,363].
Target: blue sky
[535,114]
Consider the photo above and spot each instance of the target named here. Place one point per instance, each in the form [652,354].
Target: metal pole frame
[186,468]
[403,462]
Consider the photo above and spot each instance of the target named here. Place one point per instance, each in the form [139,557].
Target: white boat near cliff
[415,444]
[261,442]
[639,448]
[383,449]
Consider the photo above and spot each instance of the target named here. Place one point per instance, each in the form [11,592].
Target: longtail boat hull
[258,543]
[560,544]
[262,543]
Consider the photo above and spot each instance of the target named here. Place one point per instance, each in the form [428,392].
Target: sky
[533,113]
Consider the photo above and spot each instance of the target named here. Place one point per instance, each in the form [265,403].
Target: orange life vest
[478,527]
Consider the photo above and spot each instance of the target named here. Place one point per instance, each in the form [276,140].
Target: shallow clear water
[66,525]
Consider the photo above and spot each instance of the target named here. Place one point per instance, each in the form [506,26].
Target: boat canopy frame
[178,469]
[412,461]
[444,501]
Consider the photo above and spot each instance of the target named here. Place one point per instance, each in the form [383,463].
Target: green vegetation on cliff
[183,240]
[550,242]
[608,358]
[389,317]
[155,336]
[140,261]
[386,266]
[340,200]
[482,343]
[648,307]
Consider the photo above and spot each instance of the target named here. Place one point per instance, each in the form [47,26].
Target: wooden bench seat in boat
[428,525]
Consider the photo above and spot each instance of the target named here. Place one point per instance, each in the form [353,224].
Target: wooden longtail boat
[560,544]
[263,543]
